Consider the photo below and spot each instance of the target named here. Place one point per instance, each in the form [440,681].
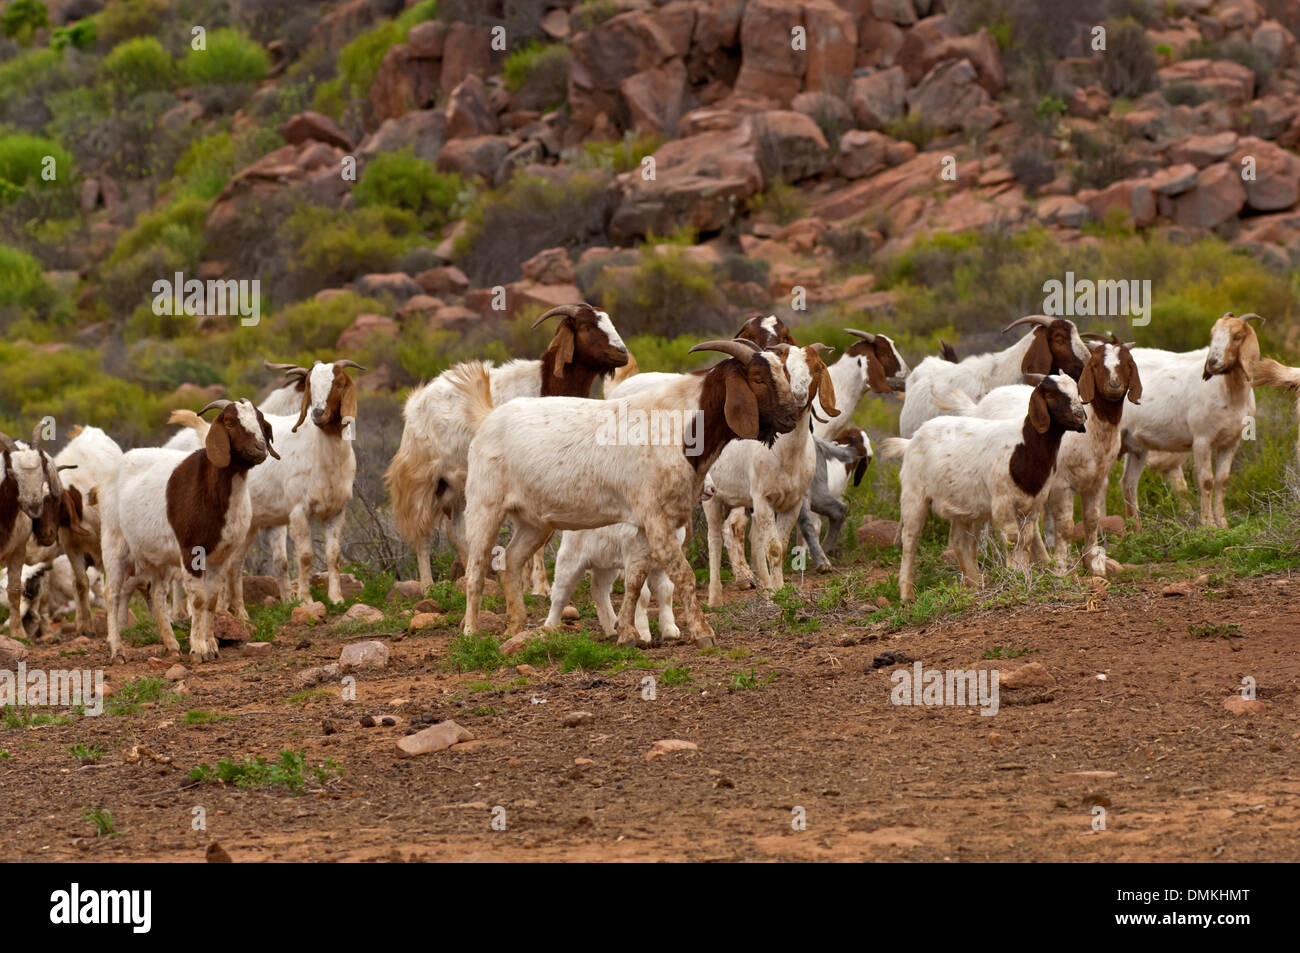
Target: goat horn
[865,335]
[272,366]
[741,350]
[568,310]
[66,466]
[348,362]
[1040,319]
[36,437]
[1252,317]
[220,404]
[821,348]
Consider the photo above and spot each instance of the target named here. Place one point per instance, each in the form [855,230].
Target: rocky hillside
[410,183]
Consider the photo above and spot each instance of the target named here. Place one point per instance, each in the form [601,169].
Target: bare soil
[875,781]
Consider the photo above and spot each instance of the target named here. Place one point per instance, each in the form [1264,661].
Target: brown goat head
[886,369]
[1056,347]
[1233,345]
[239,434]
[765,331]
[586,345]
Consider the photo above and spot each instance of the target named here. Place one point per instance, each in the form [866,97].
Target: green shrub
[123,19]
[138,66]
[619,155]
[1185,94]
[400,179]
[206,166]
[667,293]
[230,57]
[185,214]
[21,281]
[22,159]
[507,226]
[328,100]
[914,129]
[1129,66]
[22,18]
[359,60]
[332,248]
[1252,57]
[81,35]
[538,74]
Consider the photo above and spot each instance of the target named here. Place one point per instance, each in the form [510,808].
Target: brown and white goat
[30,497]
[168,510]
[426,479]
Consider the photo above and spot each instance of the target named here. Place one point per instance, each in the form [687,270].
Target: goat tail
[1269,373]
[472,379]
[188,418]
[955,403]
[413,479]
[621,374]
[893,447]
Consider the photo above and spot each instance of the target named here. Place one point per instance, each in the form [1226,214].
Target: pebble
[668,746]
[363,655]
[360,612]
[576,718]
[434,738]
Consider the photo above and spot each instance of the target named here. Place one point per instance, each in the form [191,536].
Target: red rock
[1270,116]
[1274,40]
[832,47]
[901,12]
[668,746]
[1133,197]
[396,285]
[1219,79]
[469,113]
[454,317]
[877,533]
[1239,705]
[403,82]
[1174,180]
[549,267]
[522,294]
[444,281]
[1033,675]
[1219,196]
[654,97]
[879,43]
[11,652]
[1276,182]
[228,629]
[1089,102]
[358,656]
[423,131]
[861,154]
[980,49]
[878,99]
[770,68]
[1201,151]
[466,51]
[919,41]
[797,142]
[474,156]
[947,95]
[363,327]
[605,56]
[312,126]
[434,738]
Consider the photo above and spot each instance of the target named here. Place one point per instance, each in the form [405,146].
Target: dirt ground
[875,781]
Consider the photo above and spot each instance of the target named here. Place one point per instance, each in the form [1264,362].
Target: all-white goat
[1200,401]
[426,478]
[30,497]
[1084,461]
[167,509]
[566,463]
[312,479]
[972,471]
[1053,347]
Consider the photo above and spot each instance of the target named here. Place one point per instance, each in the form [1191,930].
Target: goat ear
[876,375]
[1134,382]
[70,510]
[218,444]
[741,407]
[1039,416]
[563,344]
[306,404]
[1088,383]
[1038,359]
[269,433]
[348,403]
[826,392]
[861,469]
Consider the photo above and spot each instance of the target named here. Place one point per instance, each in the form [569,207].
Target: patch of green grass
[750,681]
[133,696]
[25,718]
[474,653]
[86,754]
[267,621]
[1215,630]
[197,716]
[286,773]
[102,819]
[1004,652]
[5,755]
[309,695]
[676,676]
[574,650]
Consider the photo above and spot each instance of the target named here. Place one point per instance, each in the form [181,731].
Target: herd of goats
[763,436]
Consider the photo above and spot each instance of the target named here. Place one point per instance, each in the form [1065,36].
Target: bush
[230,57]
[1185,94]
[507,226]
[619,155]
[332,248]
[538,75]
[1101,160]
[22,159]
[206,166]
[138,66]
[400,179]
[1252,57]
[21,281]
[359,60]
[185,214]
[122,19]
[914,129]
[1032,167]
[22,18]
[80,35]
[666,293]
[1129,66]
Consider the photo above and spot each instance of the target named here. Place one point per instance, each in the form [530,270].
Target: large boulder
[795,142]
[364,328]
[1216,79]
[980,49]
[1273,183]
[832,47]
[610,53]
[770,67]
[878,98]
[423,131]
[861,153]
[313,127]
[654,98]
[405,80]
[948,95]
[1201,151]
[469,112]
[467,51]
[1134,197]
[1219,196]
[919,43]
[474,156]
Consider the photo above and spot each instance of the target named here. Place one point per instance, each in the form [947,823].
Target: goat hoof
[703,642]
[823,567]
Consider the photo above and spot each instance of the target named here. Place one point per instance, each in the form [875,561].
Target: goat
[1084,461]
[312,479]
[426,478]
[30,496]
[771,481]
[559,463]
[848,454]
[972,471]
[766,332]
[49,590]
[1053,347]
[1198,401]
[167,509]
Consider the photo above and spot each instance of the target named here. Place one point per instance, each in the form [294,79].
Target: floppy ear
[563,344]
[306,404]
[269,433]
[1134,382]
[741,407]
[1039,416]
[70,510]
[218,444]
[826,391]
[1038,359]
[876,376]
[861,469]
[1088,382]
[348,403]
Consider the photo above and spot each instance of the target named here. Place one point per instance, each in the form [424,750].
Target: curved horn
[1252,317]
[272,366]
[568,310]
[348,362]
[1040,319]
[66,466]
[741,350]
[821,348]
[865,335]
[36,437]
[219,404]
